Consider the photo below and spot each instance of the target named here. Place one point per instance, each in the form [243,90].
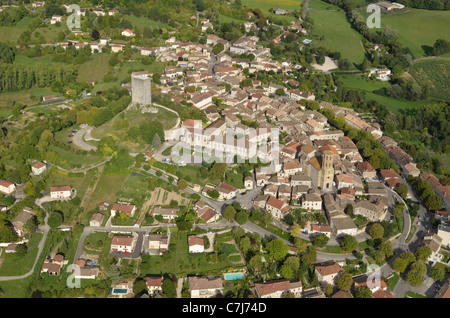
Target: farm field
[417,28]
[435,71]
[330,23]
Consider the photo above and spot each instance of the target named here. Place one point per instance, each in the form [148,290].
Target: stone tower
[141,90]
[327,172]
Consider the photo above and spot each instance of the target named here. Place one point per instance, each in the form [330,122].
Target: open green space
[15,265]
[94,69]
[180,262]
[417,27]
[12,33]
[107,188]
[142,22]
[338,35]
[368,86]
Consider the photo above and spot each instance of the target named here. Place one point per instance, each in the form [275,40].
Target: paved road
[78,139]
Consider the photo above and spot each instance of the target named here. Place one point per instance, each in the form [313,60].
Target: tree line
[18,77]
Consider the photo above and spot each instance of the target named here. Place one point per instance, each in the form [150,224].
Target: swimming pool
[232,276]
[120,291]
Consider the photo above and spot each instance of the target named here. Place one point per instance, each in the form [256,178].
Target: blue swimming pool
[232,276]
[120,291]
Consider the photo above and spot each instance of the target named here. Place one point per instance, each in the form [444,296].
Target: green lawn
[19,265]
[94,69]
[143,22]
[337,32]
[12,33]
[392,282]
[178,261]
[107,188]
[417,27]
[7,99]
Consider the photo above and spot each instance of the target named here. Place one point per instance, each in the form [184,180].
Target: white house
[60,192]
[7,187]
[128,33]
[196,244]
[205,287]
[328,273]
[122,243]
[38,168]
[55,19]
[278,289]
[248,183]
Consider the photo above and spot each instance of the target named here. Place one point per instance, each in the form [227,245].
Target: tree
[328,289]
[55,219]
[417,273]
[438,272]
[182,184]
[7,54]
[169,288]
[95,34]
[320,240]
[364,292]
[229,213]
[423,253]
[21,249]
[349,243]
[213,194]
[286,271]
[277,249]
[139,286]
[344,281]
[376,231]
[295,230]
[402,190]
[218,48]
[242,217]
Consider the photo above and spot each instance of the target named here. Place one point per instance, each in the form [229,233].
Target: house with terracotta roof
[154,285]
[444,291]
[128,33]
[127,208]
[366,170]
[320,229]
[226,191]
[38,168]
[328,273]
[7,187]
[123,243]
[196,244]
[53,266]
[312,201]
[278,288]
[205,287]
[277,207]
[60,192]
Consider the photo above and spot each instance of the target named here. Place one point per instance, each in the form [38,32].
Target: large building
[141,91]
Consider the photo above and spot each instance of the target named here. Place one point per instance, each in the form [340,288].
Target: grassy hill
[338,35]
[417,28]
